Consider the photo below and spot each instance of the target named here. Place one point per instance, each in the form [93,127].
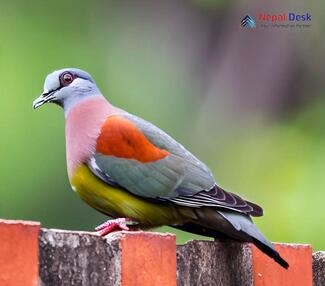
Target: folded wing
[144,160]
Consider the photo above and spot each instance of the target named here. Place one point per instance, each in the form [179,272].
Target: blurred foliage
[276,161]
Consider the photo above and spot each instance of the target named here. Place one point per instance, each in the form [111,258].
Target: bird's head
[66,87]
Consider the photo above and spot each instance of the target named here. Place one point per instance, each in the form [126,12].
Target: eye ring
[66,78]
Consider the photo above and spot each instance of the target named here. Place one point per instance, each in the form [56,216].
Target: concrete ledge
[78,258]
[319,268]
[214,263]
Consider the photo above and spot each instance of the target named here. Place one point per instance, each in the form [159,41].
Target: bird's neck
[79,96]
[83,124]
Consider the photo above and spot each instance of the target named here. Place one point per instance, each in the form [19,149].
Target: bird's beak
[38,101]
[46,96]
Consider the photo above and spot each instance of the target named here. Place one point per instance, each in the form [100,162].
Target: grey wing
[196,175]
[179,178]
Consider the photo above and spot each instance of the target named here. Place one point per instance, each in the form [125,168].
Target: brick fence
[30,255]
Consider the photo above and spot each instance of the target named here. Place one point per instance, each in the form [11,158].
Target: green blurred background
[249,103]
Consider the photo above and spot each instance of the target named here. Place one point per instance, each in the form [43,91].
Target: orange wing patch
[121,138]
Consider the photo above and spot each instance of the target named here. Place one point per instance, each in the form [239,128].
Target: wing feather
[169,174]
[219,198]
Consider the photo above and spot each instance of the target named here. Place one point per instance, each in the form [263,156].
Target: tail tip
[282,262]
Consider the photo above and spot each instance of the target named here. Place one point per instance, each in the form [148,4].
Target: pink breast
[83,124]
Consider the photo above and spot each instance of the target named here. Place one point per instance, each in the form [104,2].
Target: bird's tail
[245,225]
[271,252]
[233,225]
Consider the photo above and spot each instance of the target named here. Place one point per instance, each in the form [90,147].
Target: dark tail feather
[244,224]
[257,210]
[197,229]
[271,253]
[231,224]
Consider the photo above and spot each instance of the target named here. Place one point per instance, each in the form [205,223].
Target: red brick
[268,273]
[148,259]
[19,253]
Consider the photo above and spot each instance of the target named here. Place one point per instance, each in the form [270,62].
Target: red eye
[66,78]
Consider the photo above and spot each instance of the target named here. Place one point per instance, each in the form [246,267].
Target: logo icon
[248,22]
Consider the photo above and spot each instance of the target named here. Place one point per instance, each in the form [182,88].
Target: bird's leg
[114,225]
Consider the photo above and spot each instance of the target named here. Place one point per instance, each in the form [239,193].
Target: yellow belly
[117,202]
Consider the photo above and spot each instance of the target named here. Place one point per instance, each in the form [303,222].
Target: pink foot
[113,225]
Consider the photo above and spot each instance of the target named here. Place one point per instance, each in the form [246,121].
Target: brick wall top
[33,256]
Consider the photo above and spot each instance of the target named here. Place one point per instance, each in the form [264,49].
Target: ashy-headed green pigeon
[130,170]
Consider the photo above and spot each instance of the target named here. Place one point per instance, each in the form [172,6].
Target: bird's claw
[114,225]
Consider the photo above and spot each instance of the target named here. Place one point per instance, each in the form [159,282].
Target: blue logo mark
[248,22]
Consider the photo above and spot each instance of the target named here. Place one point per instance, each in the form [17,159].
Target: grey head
[67,87]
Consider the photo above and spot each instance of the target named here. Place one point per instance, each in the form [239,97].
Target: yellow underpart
[117,202]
